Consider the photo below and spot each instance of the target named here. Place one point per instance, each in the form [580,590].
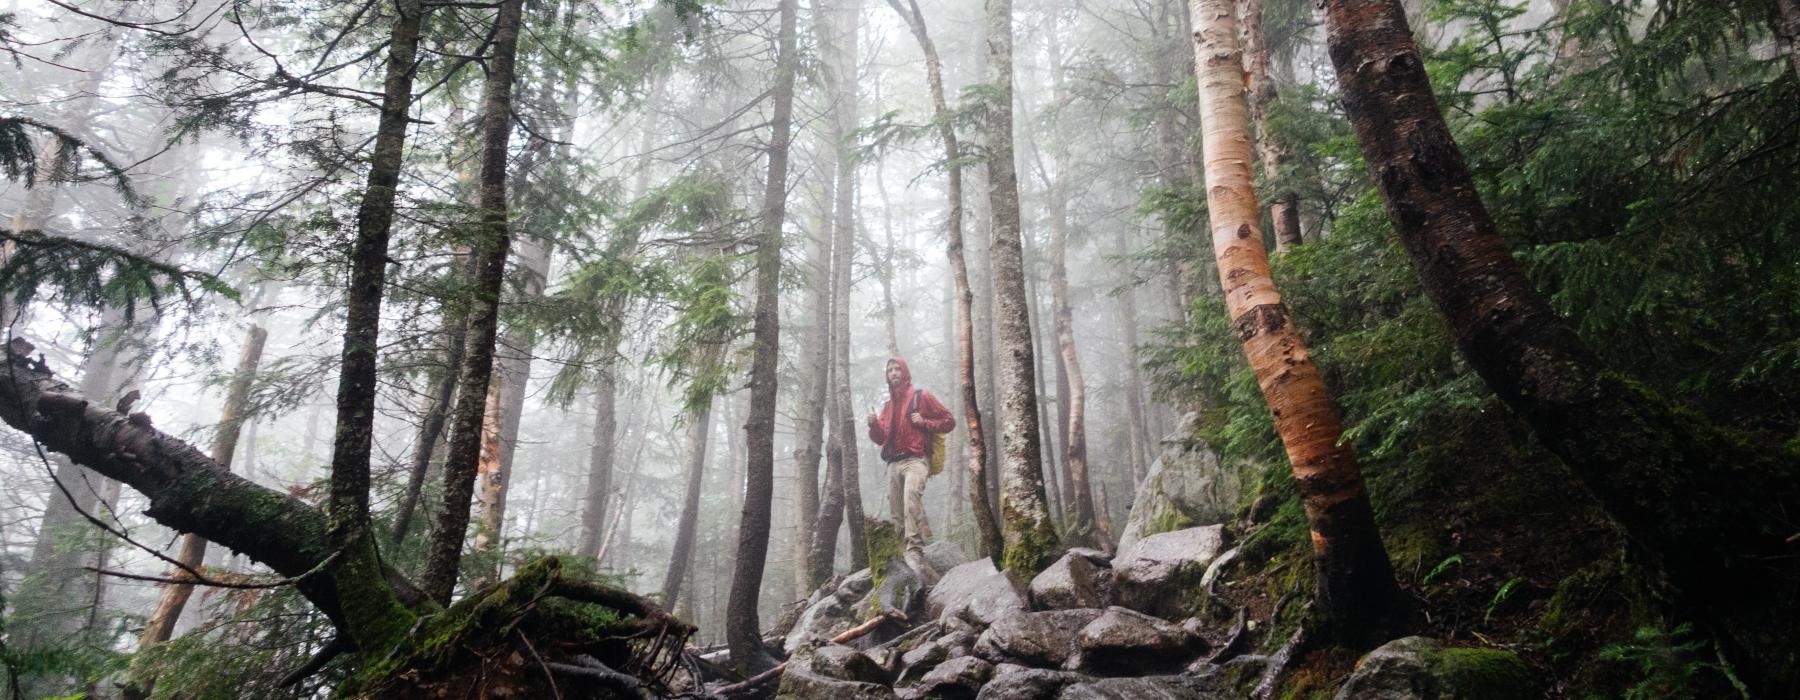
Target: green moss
[1414,547]
[1485,674]
[1030,547]
[1168,518]
[883,538]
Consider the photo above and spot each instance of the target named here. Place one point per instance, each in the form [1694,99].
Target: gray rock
[845,664]
[1014,682]
[1035,639]
[1186,485]
[856,585]
[957,679]
[1125,642]
[1158,573]
[899,591]
[1417,668]
[976,593]
[1072,582]
[798,684]
[920,661]
[1145,688]
[819,622]
[945,555]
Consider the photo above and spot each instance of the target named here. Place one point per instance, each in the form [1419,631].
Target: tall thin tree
[987,528]
[1025,519]
[742,630]
[495,240]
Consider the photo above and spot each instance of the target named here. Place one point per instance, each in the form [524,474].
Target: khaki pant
[906,503]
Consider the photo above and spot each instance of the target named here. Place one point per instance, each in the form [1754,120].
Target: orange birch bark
[1355,582]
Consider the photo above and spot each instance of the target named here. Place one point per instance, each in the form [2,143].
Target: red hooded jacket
[893,430]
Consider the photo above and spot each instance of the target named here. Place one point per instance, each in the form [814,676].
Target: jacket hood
[895,392]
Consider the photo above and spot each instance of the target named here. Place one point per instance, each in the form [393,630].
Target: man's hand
[918,419]
[872,419]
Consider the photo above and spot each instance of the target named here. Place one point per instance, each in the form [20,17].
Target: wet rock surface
[1123,642]
[1044,639]
[1160,573]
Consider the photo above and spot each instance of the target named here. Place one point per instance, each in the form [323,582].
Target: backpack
[935,449]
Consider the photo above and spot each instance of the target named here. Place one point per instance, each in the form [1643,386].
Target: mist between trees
[403,347]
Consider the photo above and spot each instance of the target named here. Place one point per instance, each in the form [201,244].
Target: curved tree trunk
[460,465]
[1355,583]
[987,529]
[742,629]
[1030,537]
[437,410]
[376,618]
[1720,541]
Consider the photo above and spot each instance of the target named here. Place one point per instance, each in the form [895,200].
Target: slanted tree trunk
[1698,502]
[495,240]
[375,616]
[161,625]
[1081,494]
[699,429]
[742,630]
[1030,538]
[1355,585]
[987,529]
[1259,81]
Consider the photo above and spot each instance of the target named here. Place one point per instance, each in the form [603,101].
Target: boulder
[1187,485]
[820,621]
[957,679]
[945,555]
[920,661]
[977,593]
[1124,642]
[898,591]
[1417,668]
[1014,682]
[1178,687]
[1042,639]
[1074,581]
[1161,573]
[842,663]
[799,684]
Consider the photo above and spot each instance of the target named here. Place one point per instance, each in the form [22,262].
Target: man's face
[893,374]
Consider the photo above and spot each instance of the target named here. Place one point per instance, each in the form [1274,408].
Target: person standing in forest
[905,428]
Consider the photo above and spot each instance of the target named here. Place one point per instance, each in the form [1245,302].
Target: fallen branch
[591,669]
[1279,663]
[753,682]
[868,626]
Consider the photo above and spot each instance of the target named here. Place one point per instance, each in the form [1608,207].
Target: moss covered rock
[1187,485]
[1418,668]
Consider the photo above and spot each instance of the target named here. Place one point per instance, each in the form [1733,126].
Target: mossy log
[544,632]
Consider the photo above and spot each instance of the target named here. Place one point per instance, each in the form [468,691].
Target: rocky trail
[1148,622]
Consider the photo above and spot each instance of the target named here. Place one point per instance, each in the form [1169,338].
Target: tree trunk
[1355,583]
[809,409]
[513,365]
[1720,541]
[1081,493]
[600,465]
[1030,538]
[495,240]
[682,556]
[987,529]
[437,410]
[838,44]
[1259,81]
[377,620]
[742,629]
[161,624]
